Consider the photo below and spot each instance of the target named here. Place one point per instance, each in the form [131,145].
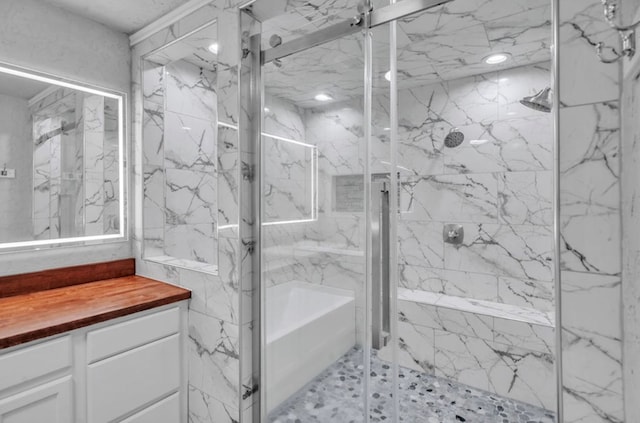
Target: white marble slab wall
[590,218]
[180,130]
[215,319]
[497,184]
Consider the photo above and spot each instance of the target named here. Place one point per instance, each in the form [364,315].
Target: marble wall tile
[416,347]
[190,143]
[195,242]
[517,251]
[592,339]
[214,357]
[153,130]
[501,368]
[474,285]
[190,197]
[526,293]
[153,84]
[590,190]
[583,78]
[190,90]
[525,198]
[204,408]
[446,320]
[420,243]
[523,375]
[464,359]
[447,198]
[527,336]
[210,295]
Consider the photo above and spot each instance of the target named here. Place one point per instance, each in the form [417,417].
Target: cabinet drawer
[112,340]
[129,381]
[48,403]
[25,364]
[165,411]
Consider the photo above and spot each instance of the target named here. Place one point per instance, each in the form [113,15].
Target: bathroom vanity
[93,351]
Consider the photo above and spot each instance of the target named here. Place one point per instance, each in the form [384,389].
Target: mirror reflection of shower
[541,101]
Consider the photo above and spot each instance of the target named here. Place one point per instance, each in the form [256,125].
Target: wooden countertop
[40,314]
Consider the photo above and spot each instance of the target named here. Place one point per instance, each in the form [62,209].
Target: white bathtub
[309,327]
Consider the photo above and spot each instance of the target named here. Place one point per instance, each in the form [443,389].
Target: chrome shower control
[453,234]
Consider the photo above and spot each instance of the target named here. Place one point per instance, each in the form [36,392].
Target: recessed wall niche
[180,151]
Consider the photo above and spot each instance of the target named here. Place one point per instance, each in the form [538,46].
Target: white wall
[36,35]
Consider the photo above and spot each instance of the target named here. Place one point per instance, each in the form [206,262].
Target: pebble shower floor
[335,396]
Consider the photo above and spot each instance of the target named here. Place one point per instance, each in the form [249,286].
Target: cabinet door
[47,403]
[165,411]
[132,380]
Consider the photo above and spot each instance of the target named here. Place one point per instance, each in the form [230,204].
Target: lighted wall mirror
[180,164]
[62,161]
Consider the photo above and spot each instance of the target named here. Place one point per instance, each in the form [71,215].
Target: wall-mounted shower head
[541,102]
[454,138]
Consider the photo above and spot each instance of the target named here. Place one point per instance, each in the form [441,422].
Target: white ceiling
[126,16]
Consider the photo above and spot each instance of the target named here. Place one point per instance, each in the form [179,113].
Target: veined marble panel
[210,295]
[583,78]
[153,83]
[190,197]
[503,369]
[525,198]
[416,347]
[420,243]
[449,198]
[526,293]
[517,251]
[478,286]
[153,133]
[214,357]
[590,193]
[204,408]
[190,143]
[191,90]
[196,242]
[592,348]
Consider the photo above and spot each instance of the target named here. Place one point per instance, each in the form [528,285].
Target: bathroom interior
[319,211]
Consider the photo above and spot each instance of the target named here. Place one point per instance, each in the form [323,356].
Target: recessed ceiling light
[266,110]
[386,129]
[323,97]
[387,76]
[213,48]
[186,128]
[496,58]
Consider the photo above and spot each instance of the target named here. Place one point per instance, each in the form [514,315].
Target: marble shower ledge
[487,308]
[184,264]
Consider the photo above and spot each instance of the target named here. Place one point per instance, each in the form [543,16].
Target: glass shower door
[406,231]
[313,233]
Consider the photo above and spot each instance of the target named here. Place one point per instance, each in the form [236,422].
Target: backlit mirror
[61,161]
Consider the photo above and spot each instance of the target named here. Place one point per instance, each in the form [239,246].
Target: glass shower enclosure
[402,210]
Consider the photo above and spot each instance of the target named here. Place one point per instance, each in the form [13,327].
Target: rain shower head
[541,101]
[454,138]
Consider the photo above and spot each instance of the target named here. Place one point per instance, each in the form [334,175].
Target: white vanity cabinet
[38,383]
[131,370]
